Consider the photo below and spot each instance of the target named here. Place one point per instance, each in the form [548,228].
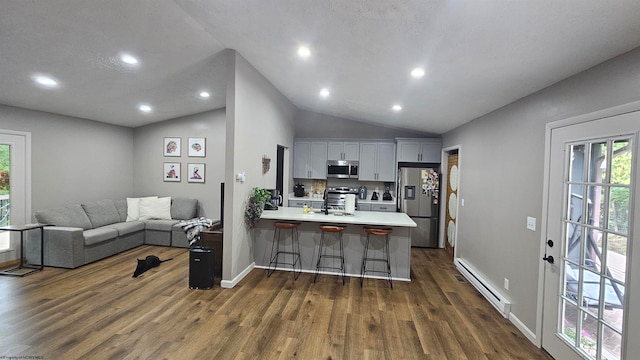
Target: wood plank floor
[99,311]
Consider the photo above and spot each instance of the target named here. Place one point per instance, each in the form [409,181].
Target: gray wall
[314,125]
[73,160]
[501,170]
[148,159]
[259,118]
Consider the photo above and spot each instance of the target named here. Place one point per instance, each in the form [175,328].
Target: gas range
[336,196]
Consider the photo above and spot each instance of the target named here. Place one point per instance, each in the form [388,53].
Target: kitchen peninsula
[354,238]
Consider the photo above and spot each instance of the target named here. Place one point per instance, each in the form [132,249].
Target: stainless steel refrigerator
[418,193]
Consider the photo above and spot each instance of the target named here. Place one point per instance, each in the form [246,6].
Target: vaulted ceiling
[477,55]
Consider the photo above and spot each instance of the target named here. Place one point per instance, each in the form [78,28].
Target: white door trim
[613,111]
[27,185]
[443,197]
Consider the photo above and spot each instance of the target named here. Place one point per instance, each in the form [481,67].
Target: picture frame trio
[172,171]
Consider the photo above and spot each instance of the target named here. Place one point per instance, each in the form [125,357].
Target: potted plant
[255,205]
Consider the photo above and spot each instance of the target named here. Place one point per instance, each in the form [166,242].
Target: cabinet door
[368,160]
[335,151]
[409,151]
[351,151]
[386,162]
[383,207]
[430,152]
[318,160]
[297,203]
[364,207]
[301,160]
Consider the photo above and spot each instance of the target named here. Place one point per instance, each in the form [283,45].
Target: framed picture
[172,146]
[195,173]
[197,147]
[171,172]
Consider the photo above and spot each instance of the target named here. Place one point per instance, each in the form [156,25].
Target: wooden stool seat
[378,231]
[332,228]
[285,225]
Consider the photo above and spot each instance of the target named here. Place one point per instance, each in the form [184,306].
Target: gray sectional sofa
[87,232]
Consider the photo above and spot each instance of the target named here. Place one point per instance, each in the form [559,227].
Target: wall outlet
[531,223]
[506,283]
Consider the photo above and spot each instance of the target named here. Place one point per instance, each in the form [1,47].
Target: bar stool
[328,228]
[376,231]
[276,248]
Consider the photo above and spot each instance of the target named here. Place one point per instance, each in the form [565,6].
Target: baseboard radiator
[502,304]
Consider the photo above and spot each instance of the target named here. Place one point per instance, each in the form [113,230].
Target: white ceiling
[478,55]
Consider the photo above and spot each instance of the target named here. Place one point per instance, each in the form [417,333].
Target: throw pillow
[155,209]
[133,207]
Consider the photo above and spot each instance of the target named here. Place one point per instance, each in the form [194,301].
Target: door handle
[548,259]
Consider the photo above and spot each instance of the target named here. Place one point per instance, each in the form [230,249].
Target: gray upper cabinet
[377,162]
[310,160]
[419,150]
[343,150]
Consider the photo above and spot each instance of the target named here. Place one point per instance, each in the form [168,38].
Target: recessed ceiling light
[417,73]
[304,52]
[324,93]
[144,108]
[204,94]
[45,81]
[396,107]
[129,59]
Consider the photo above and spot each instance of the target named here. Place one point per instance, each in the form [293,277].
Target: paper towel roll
[350,204]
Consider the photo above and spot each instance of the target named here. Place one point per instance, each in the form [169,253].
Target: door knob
[548,259]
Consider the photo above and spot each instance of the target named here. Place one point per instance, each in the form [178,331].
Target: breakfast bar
[354,239]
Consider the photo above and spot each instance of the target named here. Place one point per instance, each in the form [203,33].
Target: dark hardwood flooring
[99,311]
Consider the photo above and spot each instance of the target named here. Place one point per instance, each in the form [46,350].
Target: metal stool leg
[274,252]
[388,261]
[319,256]
[296,256]
[342,267]
[364,260]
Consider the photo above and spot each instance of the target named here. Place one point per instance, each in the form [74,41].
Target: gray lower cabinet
[316,205]
[383,207]
[364,207]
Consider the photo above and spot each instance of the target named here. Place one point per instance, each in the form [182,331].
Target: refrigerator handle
[409,192]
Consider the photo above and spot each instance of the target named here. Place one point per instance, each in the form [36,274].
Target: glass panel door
[595,226]
[5,187]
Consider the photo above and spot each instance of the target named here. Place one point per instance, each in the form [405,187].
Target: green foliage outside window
[4,169]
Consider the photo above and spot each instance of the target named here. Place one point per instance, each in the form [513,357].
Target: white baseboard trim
[228,284]
[524,329]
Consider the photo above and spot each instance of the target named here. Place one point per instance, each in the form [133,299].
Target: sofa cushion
[160,225]
[67,216]
[121,206]
[184,209]
[101,212]
[126,228]
[133,207]
[95,236]
[158,209]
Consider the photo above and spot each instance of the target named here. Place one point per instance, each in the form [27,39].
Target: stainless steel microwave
[342,169]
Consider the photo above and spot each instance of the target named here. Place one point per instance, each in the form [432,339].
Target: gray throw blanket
[193,227]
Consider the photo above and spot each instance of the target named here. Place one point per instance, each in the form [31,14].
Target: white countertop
[359,218]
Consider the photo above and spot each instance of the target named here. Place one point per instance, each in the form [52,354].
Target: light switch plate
[531,223]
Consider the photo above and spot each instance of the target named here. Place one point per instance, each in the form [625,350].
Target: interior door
[590,301]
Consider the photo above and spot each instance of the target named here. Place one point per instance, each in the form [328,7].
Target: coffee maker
[276,200]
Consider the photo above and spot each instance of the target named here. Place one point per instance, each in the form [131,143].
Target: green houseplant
[255,205]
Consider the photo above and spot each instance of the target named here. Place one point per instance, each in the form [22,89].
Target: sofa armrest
[63,246]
